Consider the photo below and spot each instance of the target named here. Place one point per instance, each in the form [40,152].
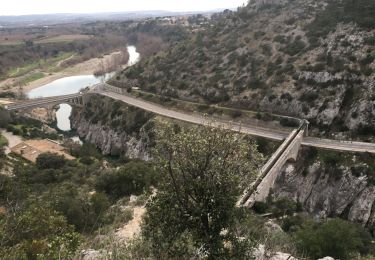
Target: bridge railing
[268,166]
[110,88]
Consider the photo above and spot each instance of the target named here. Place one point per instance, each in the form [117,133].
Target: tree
[204,171]
[50,161]
[336,238]
[4,117]
[37,232]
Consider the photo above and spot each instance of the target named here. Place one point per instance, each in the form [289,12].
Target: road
[272,134]
[269,133]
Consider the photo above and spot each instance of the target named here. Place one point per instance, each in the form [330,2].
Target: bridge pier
[260,189]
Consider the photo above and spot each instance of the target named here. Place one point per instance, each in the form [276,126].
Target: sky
[22,7]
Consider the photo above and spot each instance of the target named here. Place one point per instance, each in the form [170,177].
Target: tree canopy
[204,171]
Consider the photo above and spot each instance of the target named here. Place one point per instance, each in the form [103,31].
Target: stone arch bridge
[48,102]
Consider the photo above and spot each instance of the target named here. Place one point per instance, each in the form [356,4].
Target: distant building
[31,149]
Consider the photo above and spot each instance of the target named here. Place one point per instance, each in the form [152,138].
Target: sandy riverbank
[85,68]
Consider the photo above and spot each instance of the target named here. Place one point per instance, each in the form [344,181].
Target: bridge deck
[31,103]
[269,133]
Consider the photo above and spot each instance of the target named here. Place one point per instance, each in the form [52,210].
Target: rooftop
[31,149]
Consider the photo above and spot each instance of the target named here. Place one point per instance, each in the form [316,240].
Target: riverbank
[85,68]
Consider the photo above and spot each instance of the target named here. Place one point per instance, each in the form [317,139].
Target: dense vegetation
[361,12]
[312,60]
[52,206]
[199,174]
[190,215]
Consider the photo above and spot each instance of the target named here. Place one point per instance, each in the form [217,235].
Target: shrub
[235,113]
[336,238]
[292,223]
[280,39]
[131,179]
[283,207]
[50,161]
[286,96]
[367,60]
[295,47]
[309,96]
[370,40]
[289,122]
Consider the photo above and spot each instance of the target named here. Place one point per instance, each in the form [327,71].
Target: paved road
[196,119]
[272,134]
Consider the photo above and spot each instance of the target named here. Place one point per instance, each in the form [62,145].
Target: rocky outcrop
[330,191]
[109,141]
[111,127]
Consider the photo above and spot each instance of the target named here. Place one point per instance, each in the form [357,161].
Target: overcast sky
[21,7]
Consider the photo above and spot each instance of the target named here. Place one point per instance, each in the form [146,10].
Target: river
[71,85]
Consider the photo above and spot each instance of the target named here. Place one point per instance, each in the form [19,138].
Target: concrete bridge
[122,95]
[260,189]
[288,150]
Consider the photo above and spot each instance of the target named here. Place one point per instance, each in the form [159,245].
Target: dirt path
[62,61]
[13,140]
[133,227]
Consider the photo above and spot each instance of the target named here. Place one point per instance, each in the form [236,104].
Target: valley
[241,134]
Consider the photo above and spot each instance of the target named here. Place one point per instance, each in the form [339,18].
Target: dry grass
[19,39]
[64,38]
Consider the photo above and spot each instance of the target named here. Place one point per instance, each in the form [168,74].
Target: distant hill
[49,19]
[308,58]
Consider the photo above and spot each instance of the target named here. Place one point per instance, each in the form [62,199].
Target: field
[48,64]
[64,38]
[40,39]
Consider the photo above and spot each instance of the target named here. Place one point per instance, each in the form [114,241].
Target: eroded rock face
[111,142]
[111,139]
[326,192]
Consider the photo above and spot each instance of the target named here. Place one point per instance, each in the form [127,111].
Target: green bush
[37,230]
[336,238]
[295,47]
[50,161]
[358,11]
[132,179]
[289,122]
[309,96]
[235,113]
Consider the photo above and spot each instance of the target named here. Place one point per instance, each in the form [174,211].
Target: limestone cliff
[331,185]
[116,129]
